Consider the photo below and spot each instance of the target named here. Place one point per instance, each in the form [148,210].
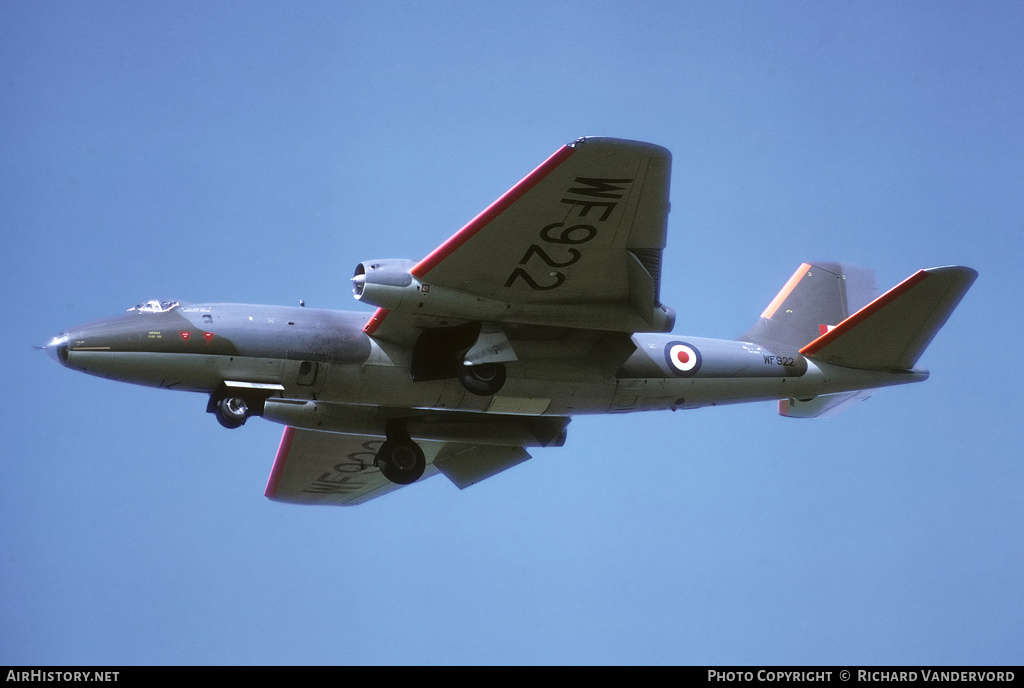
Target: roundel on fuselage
[683,359]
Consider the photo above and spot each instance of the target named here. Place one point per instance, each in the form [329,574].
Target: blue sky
[255,152]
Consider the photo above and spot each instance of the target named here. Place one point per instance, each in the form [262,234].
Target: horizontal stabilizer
[892,332]
[824,406]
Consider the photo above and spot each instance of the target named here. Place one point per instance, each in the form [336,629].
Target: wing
[577,243]
[325,468]
[314,467]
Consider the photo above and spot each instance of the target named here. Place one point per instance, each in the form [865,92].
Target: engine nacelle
[384,283]
[389,284]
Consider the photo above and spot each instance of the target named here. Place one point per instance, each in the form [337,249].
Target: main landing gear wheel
[401,461]
[231,412]
[483,379]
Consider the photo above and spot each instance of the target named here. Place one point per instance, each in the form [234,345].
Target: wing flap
[467,465]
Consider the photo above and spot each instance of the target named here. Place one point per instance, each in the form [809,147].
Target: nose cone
[57,348]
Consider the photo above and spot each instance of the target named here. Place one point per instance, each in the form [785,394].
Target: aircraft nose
[57,348]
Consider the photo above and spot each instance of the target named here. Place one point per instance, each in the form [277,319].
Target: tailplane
[821,406]
[892,332]
[832,314]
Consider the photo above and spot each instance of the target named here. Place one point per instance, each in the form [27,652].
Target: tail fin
[892,332]
[817,297]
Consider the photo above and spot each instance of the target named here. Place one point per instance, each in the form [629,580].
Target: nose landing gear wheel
[231,412]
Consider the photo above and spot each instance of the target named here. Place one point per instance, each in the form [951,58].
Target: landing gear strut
[400,459]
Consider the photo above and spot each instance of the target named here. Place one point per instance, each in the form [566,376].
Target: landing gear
[400,459]
[231,412]
[441,353]
[483,379]
[234,402]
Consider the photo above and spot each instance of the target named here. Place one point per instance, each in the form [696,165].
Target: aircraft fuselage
[324,355]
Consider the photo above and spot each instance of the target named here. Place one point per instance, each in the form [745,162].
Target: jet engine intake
[374,280]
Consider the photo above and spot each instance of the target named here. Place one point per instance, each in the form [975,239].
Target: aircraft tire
[401,461]
[484,380]
[231,412]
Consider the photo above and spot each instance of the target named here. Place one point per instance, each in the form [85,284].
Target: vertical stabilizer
[816,298]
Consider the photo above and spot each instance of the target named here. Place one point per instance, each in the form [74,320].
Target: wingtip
[270,492]
[966,272]
[651,149]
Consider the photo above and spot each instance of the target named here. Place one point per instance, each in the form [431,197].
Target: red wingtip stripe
[279,461]
[492,211]
[864,313]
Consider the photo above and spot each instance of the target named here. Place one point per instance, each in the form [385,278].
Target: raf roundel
[683,359]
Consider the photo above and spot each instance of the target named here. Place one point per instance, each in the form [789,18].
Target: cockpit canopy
[154,306]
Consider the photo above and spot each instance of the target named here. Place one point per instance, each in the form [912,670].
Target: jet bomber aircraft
[545,305]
